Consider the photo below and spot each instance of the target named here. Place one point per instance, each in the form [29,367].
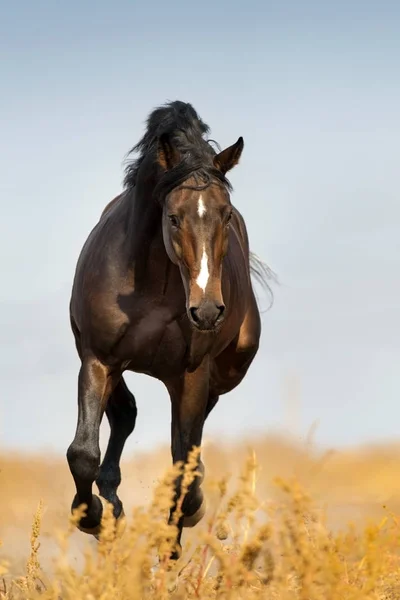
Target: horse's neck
[144,225]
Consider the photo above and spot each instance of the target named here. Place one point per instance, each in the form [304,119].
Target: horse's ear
[167,155]
[228,158]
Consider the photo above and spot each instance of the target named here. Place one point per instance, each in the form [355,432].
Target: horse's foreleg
[189,398]
[121,413]
[94,387]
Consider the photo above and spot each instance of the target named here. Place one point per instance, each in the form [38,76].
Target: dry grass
[326,529]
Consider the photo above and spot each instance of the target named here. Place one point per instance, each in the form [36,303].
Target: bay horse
[163,287]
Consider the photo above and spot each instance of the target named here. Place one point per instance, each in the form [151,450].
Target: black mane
[186,131]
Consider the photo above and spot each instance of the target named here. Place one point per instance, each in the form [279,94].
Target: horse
[162,286]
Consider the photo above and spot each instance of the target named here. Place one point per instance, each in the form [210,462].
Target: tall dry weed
[252,546]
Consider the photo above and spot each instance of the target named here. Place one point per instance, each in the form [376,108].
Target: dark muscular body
[162,287]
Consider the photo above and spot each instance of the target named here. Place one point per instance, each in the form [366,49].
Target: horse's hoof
[95,531]
[176,553]
[120,522]
[196,518]
[97,528]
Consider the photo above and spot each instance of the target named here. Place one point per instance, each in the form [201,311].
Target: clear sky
[314,89]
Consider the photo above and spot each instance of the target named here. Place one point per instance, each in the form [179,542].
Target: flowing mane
[186,130]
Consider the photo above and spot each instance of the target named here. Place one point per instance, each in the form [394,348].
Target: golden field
[284,521]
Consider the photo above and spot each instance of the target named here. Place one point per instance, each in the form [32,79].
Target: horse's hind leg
[95,384]
[121,413]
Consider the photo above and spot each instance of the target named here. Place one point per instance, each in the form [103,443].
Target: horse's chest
[153,344]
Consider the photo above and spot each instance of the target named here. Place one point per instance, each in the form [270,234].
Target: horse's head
[195,230]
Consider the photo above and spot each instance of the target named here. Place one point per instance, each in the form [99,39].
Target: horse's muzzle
[207,316]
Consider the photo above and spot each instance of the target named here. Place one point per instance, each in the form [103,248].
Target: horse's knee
[83,461]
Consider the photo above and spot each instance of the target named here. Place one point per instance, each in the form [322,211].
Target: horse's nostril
[221,310]
[193,312]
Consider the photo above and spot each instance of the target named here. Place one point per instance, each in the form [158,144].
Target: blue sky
[314,90]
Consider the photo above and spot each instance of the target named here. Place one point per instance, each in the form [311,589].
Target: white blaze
[201,209]
[202,279]
[204,274]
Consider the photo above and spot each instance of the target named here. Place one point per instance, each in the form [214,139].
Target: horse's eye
[174,221]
